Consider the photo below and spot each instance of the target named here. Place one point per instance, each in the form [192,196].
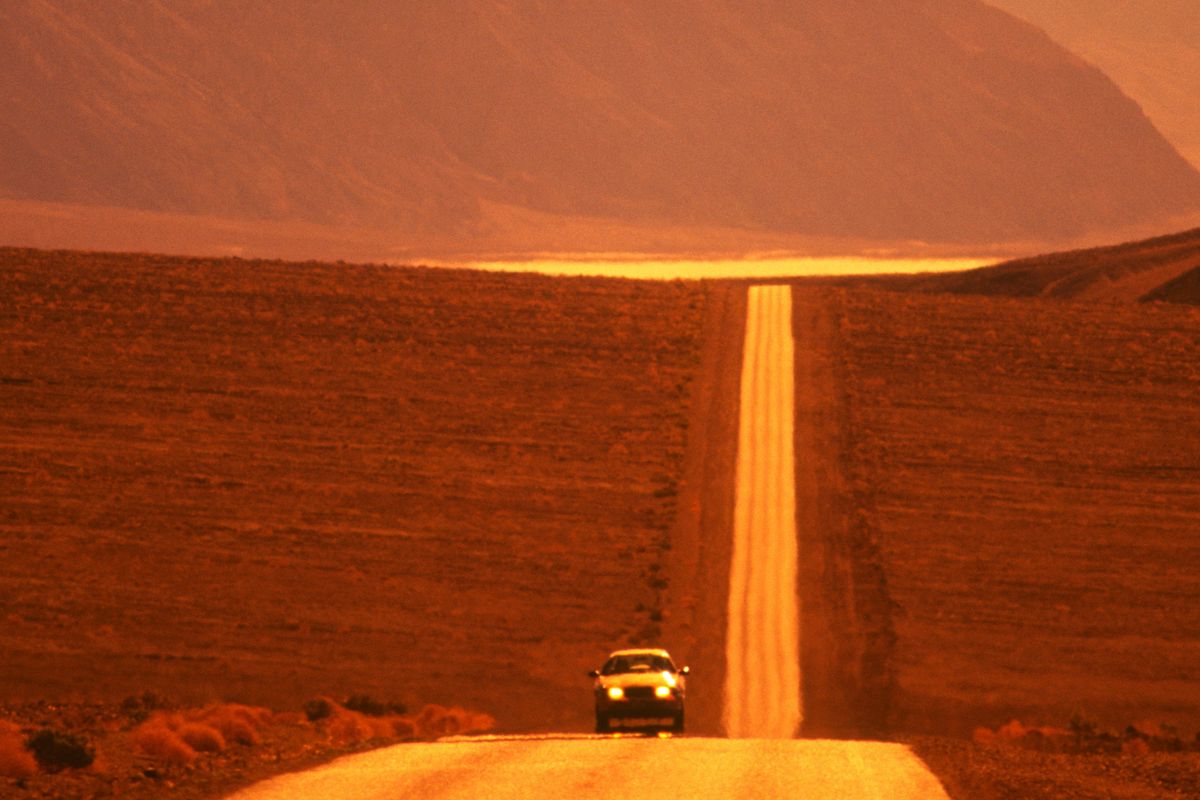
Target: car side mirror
[593,673]
[685,671]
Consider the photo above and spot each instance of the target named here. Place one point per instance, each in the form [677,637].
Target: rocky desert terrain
[261,482]
[267,482]
[226,476]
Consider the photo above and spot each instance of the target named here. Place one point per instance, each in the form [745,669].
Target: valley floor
[260,481]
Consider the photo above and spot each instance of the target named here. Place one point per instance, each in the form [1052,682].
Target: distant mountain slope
[1150,48]
[1165,268]
[945,120]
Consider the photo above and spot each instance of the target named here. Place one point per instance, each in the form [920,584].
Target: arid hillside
[264,481]
[1166,268]
[934,121]
[1150,48]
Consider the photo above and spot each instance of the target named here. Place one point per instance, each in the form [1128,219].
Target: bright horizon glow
[750,267]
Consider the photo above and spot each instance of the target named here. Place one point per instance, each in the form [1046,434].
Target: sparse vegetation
[973,771]
[1087,737]
[479,446]
[157,740]
[200,752]
[373,708]
[177,737]
[16,761]
[1033,480]
[139,707]
[319,708]
[1010,463]
[56,750]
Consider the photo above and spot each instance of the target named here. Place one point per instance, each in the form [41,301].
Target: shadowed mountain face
[1150,48]
[940,120]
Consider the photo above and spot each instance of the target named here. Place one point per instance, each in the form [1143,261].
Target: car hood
[627,679]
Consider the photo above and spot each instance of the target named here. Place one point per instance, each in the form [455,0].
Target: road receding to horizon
[762,663]
[763,706]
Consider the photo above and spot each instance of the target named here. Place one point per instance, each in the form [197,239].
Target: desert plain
[261,482]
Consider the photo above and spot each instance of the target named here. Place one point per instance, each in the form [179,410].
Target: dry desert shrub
[435,720]
[155,738]
[346,726]
[291,719]
[201,737]
[1151,729]
[403,728]
[56,750]
[349,727]
[15,760]
[139,707]
[319,708]
[237,723]
[178,737]
[1086,736]
[984,736]
[1031,737]
[1135,747]
[365,704]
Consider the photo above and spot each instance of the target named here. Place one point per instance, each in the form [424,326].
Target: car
[639,688]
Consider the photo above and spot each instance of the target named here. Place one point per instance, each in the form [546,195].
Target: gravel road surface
[618,767]
[763,707]
[762,657]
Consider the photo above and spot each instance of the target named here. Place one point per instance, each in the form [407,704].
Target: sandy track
[762,680]
[762,700]
[702,538]
[619,767]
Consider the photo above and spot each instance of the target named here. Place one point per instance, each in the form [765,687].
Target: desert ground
[259,482]
[229,477]
[1030,470]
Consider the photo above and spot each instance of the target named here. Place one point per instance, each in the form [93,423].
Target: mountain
[1151,49]
[939,120]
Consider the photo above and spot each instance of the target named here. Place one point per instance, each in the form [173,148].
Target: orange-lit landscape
[367,375]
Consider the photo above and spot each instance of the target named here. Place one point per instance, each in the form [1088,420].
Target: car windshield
[638,662]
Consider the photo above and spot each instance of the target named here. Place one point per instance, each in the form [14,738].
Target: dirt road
[762,711]
[618,767]
[762,678]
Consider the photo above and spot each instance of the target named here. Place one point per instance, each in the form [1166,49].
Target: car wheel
[677,723]
[602,724]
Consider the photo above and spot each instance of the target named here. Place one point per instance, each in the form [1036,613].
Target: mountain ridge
[942,122]
[1149,49]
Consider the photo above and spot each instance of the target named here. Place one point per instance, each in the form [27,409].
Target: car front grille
[639,692]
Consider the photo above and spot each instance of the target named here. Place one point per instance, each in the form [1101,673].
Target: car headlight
[662,691]
[615,693]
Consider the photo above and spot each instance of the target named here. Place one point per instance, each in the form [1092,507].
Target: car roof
[640,651]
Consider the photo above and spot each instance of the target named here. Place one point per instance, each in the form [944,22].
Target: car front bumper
[639,708]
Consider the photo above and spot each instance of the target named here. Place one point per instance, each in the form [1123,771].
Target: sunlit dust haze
[440,130]
[758,267]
